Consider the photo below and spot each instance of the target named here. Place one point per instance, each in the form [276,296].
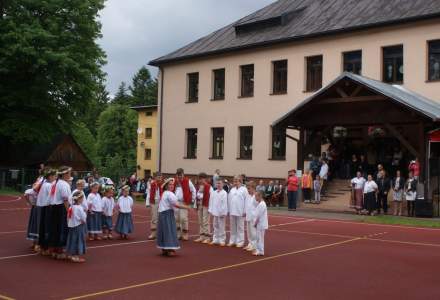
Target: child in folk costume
[166,227]
[32,230]
[43,205]
[124,223]
[61,193]
[76,221]
[251,204]
[94,217]
[261,223]
[218,208]
[186,195]
[317,190]
[153,197]
[204,191]
[108,206]
[236,205]
[357,185]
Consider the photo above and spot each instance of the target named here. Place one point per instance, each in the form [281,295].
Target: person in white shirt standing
[108,206]
[261,223]
[204,191]
[94,218]
[76,221]
[186,195]
[370,194]
[236,205]
[43,205]
[357,185]
[124,223]
[61,192]
[323,175]
[251,204]
[218,208]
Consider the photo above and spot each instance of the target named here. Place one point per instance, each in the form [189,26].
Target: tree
[144,88]
[86,141]
[50,65]
[122,97]
[117,139]
[96,106]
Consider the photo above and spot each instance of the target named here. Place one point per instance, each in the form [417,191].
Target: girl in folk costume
[166,227]
[43,205]
[124,223]
[76,221]
[251,204]
[261,223]
[204,191]
[370,193]
[80,186]
[34,216]
[218,208]
[307,182]
[186,195]
[61,193]
[357,185]
[94,217]
[236,204]
[153,197]
[108,206]
[398,186]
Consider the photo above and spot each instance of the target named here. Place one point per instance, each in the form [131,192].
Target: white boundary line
[9,201]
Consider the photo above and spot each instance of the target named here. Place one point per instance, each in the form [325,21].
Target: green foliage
[96,106]
[144,88]
[122,96]
[86,141]
[117,139]
[50,65]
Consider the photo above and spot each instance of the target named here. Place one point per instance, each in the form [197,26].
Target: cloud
[137,31]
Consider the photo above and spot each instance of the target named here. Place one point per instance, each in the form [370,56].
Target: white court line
[13,209]
[9,201]
[10,232]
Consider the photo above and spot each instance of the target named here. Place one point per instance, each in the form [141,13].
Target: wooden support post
[402,140]
[300,151]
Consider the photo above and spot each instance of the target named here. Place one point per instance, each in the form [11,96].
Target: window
[246,142]
[279,85]
[193,87]
[314,73]
[278,143]
[218,135]
[147,174]
[149,113]
[219,84]
[393,64]
[148,133]
[434,60]
[191,143]
[147,154]
[247,81]
[353,62]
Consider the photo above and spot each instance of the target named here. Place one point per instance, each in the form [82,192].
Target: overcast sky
[137,31]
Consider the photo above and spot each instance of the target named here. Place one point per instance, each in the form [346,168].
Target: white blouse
[358,183]
[251,205]
[261,216]
[168,201]
[108,204]
[237,201]
[94,202]
[62,192]
[78,216]
[125,204]
[32,196]
[370,186]
[43,198]
[218,203]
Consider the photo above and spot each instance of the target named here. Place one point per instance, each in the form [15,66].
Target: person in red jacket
[414,167]
[204,191]
[153,196]
[186,195]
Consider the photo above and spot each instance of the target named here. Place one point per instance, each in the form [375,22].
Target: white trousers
[237,230]
[260,241]
[251,234]
[219,230]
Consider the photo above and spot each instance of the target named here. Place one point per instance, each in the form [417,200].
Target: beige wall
[261,110]
[145,121]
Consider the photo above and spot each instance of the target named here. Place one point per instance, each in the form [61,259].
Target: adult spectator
[226,186]
[414,168]
[292,190]
[278,193]
[323,175]
[398,185]
[215,178]
[370,191]
[411,194]
[354,166]
[306,185]
[357,185]
[384,186]
[363,166]
[261,187]
[315,166]
[268,193]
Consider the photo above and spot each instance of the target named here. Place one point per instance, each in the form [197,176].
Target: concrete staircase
[337,197]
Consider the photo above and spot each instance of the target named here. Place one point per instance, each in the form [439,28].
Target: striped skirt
[94,222]
[166,231]
[76,240]
[124,223]
[33,223]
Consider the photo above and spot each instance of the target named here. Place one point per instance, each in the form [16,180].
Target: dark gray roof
[144,107]
[417,102]
[290,20]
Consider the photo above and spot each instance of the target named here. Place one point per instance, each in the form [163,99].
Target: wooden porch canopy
[354,100]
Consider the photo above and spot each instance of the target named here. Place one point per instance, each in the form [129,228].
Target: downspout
[161,70]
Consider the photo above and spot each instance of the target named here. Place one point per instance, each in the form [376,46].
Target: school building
[147,141]
[261,95]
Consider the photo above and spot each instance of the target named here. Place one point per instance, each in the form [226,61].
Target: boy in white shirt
[236,205]
[251,204]
[218,208]
[261,223]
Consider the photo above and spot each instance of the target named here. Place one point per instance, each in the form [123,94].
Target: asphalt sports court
[305,259]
